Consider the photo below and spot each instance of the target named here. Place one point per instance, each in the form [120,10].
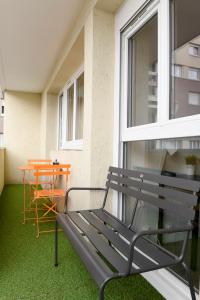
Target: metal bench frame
[126,251]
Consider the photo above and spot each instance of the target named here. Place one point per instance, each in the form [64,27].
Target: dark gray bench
[110,248]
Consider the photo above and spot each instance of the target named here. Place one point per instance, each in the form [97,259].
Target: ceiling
[32,34]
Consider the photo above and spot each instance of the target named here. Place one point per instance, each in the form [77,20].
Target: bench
[110,248]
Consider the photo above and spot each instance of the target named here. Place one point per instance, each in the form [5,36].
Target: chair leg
[56,244]
[189,277]
[37,219]
[50,208]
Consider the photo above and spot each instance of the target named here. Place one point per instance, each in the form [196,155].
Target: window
[142,97]
[193,74]
[79,107]
[194,99]
[70,110]
[159,97]
[71,106]
[177,71]
[185,40]
[193,50]
[2,110]
[165,157]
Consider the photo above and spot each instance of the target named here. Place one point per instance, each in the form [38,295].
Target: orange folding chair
[31,181]
[48,197]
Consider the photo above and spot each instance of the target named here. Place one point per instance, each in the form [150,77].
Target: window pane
[70,109]
[185,33]
[60,119]
[177,71]
[79,107]
[193,74]
[142,90]
[167,157]
[194,99]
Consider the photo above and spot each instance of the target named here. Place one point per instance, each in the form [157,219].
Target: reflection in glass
[79,107]
[185,55]
[70,109]
[166,157]
[142,89]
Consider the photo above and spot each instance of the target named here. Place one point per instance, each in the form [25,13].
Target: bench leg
[56,244]
[191,286]
[101,292]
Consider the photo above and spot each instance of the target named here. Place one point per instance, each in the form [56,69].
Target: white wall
[22,131]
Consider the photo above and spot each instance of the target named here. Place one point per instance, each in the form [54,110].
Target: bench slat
[140,260]
[109,253]
[115,224]
[143,244]
[174,208]
[94,264]
[172,194]
[190,185]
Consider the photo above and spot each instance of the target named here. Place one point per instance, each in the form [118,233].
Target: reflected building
[185,97]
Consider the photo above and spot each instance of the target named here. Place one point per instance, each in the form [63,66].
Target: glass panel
[172,158]
[79,107]
[70,109]
[142,89]
[185,53]
[60,119]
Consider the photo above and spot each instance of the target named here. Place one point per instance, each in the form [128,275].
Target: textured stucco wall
[51,123]
[43,124]
[102,98]
[22,131]
[89,165]
[2,151]
[80,160]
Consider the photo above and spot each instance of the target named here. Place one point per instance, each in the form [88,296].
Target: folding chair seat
[48,197]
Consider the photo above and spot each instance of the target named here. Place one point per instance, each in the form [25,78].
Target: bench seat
[111,238]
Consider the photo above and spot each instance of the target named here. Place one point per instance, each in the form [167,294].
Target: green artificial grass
[26,263]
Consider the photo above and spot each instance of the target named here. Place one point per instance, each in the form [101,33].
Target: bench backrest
[174,195]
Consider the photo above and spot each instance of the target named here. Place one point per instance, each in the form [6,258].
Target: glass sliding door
[159,103]
[185,58]
[167,157]
[143,58]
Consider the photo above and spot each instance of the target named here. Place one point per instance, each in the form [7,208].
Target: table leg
[24,184]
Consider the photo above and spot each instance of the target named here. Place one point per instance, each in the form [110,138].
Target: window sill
[72,145]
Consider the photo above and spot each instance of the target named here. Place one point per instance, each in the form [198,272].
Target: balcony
[60,67]
[27,266]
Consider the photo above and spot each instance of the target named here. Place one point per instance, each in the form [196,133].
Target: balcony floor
[26,263]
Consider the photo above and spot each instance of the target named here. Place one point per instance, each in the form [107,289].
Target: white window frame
[2,114]
[164,127]
[2,105]
[164,281]
[64,144]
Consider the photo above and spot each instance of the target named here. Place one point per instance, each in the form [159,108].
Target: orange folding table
[25,169]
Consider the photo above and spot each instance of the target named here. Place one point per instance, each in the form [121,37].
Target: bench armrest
[81,189]
[143,233]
